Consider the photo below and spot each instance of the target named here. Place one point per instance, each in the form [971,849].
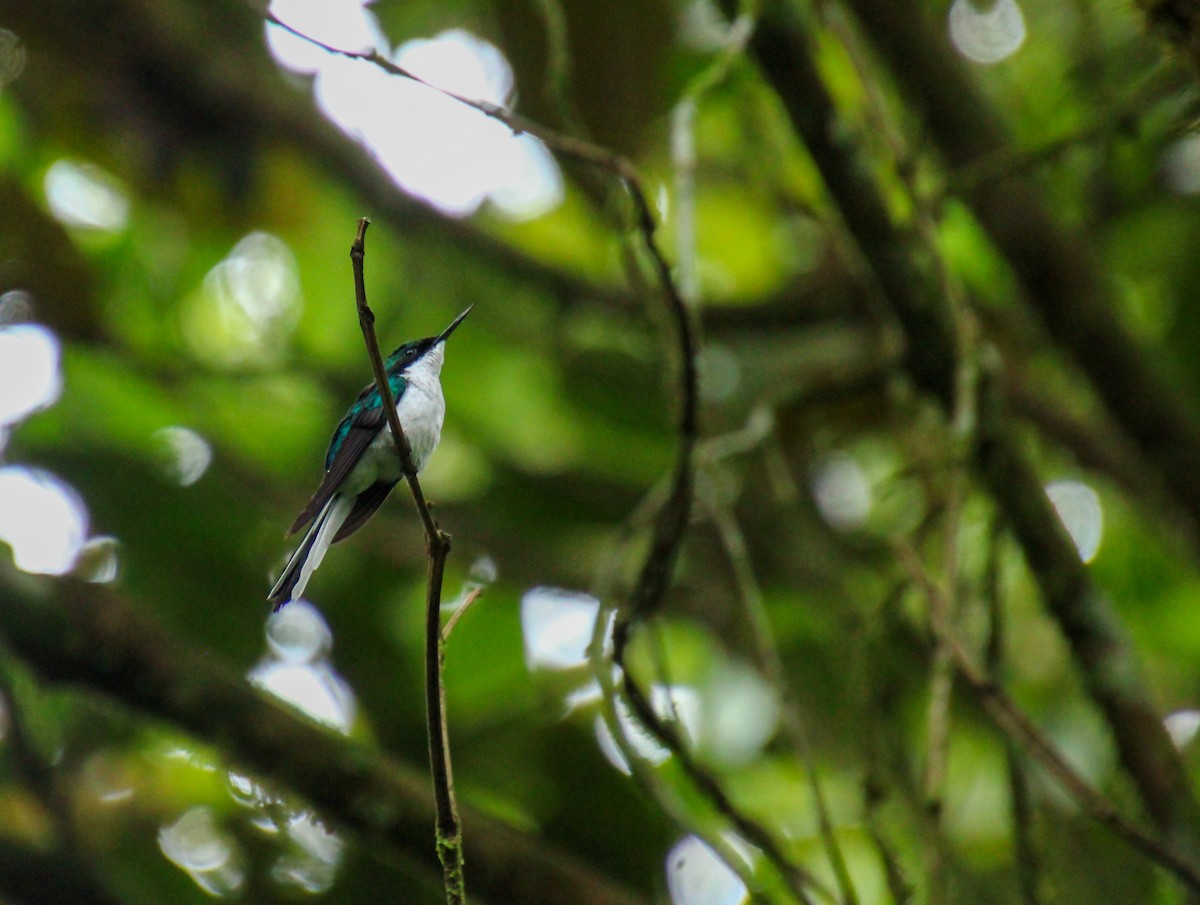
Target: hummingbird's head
[430,351]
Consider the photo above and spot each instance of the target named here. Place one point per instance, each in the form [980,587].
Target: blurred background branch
[88,636]
[943,269]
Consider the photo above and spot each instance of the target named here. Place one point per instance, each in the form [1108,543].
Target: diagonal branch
[90,636]
[1058,271]
[1021,730]
[737,551]
[1104,655]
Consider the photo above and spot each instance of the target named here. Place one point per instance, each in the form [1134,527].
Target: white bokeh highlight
[1181,165]
[842,492]
[696,875]
[1080,510]
[1182,726]
[297,667]
[434,147]
[84,196]
[312,855]
[681,702]
[557,627]
[205,852]
[740,713]
[99,560]
[986,31]
[42,519]
[247,302]
[30,371]
[345,24]
[187,455]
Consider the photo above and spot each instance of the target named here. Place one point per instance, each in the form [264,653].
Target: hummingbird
[362,466]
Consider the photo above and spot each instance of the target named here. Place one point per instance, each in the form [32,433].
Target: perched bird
[361,466]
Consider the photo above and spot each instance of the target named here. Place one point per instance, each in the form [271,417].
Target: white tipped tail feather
[311,550]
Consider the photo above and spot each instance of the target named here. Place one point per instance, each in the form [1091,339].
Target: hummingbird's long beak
[458,320]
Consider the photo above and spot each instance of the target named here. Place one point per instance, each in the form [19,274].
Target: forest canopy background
[929,631]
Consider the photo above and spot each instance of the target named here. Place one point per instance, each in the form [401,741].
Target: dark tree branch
[88,635]
[26,875]
[449,828]
[785,54]
[784,50]
[1178,21]
[1097,638]
[1057,269]
[1021,730]
[737,551]
[1028,858]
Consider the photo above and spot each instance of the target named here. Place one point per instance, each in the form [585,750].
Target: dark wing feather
[356,431]
[365,505]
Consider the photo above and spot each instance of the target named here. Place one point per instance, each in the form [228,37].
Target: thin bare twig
[933,776]
[671,522]
[366,321]
[1028,859]
[754,832]
[474,594]
[1022,731]
[437,542]
[639,768]
[738,553]
[875,695]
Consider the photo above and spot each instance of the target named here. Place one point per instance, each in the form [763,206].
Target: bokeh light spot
[1079,508]
[313,855]
[557,626]
[248,304]
[99,560]
[986,31]
[204,851]
[12,57]
[678,701]
[186,454]
[85,196]
[16,306]
[1181,166]
[842,492]
[1182,726]
[740,713]
[42,519]
[299,634]
[30,376]
[434,147]
[297,668]
[696,875]
[346,24]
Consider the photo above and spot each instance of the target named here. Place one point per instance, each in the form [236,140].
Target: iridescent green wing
[353,435]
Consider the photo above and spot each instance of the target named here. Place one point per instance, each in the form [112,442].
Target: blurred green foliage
[560,412]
